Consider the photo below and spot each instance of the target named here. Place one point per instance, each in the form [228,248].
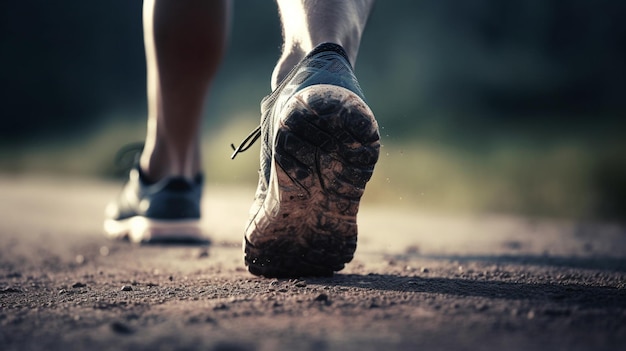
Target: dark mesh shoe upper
[326,64]
[169,199]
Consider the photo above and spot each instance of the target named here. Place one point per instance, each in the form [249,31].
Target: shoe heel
[324,154]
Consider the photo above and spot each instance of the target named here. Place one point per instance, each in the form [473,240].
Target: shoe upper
[169,199]
[326,64]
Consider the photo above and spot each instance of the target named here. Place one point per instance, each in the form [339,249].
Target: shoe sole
[324,153]
[150,231]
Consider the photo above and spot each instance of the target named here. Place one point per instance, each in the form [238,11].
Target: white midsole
[141,229]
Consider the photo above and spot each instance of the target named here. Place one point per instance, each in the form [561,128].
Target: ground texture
[418,281]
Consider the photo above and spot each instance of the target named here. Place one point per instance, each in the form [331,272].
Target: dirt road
[419,281]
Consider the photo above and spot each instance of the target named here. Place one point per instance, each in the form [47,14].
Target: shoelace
[126,156]
[247,142]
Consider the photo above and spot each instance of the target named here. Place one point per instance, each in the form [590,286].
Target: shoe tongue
[329,47]
[324,47]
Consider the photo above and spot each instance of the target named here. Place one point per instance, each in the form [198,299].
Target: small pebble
[80,259]
[482,308]
[79,285]
[220,307]
[321,297]
[412,250]
[301,284]
[127,288]
[121,328]
[424,270]
[203,253]
[104,251]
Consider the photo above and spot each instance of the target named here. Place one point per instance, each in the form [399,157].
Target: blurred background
[514,107]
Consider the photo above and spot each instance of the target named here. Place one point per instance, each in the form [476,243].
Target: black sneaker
[164,212]
[320,145]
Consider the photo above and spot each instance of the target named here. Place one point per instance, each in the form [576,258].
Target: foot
[320,145]
[165,211]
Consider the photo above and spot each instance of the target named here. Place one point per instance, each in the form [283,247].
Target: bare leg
[308,23]
[184,41]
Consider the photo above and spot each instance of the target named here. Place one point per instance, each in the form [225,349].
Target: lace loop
[247,142]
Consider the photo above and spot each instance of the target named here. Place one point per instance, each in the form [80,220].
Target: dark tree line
[64,62]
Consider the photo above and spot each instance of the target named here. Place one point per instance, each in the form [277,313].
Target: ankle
[290,57]
[155,166]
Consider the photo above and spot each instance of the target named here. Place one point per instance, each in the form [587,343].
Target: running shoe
[167,211]
[320,143]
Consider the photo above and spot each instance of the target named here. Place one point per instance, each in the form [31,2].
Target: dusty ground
[418,281]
